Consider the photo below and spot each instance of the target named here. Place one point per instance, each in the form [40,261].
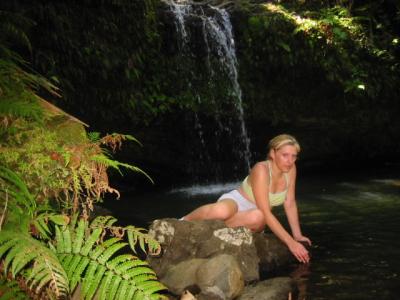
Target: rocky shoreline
[207,260]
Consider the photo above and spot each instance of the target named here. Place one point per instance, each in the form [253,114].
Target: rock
[182,276]
[277,288]
[219,277]
[273,254]
[215,262]
[182,240]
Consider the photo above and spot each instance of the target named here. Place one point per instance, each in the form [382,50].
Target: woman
[270,183]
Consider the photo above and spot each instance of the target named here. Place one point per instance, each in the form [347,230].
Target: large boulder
[217,262]
[182,240]
[219,277]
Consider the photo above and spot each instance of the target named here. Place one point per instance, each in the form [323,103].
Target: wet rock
[277,288]
[182,276]
[273,254]
[219,277]
[216,262]
[182,240]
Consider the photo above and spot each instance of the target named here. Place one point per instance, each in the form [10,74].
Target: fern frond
[76,276]
[90,241]
[40,222]
[103,159]
[93,282]
[98,266]
[41,226]
[103,222]
[20,108]
[79,236]
[108,245]
[18,250]
[110,251]
[67,239]
[136,235]
[10,290]
[103,291]
[118,138]
[18,190]
[94,136]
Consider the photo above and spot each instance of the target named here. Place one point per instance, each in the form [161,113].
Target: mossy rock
[69,131]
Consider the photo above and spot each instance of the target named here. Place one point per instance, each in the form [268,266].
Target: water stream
[352,219]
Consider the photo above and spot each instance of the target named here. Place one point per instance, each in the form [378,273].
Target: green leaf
[79,235]
[105,285]
[89,243]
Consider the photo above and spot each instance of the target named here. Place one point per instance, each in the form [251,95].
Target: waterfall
[220,58]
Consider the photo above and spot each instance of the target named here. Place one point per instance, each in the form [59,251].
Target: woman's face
[285,157]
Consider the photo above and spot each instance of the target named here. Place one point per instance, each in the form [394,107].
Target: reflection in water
[354,226]
[300,276]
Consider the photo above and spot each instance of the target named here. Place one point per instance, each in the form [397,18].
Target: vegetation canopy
[51,174]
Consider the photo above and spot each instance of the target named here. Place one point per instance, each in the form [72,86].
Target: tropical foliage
[48,254]
[67,253]
[51,174]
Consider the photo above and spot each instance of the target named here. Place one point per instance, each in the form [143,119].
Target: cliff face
[157,71]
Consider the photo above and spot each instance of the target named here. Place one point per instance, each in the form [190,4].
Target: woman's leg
[253,219]
[221,210]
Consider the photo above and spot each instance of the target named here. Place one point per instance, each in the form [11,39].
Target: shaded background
[124,67]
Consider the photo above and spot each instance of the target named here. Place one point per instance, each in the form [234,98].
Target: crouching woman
[270,183]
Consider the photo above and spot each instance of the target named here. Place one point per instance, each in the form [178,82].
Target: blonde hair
[282,140]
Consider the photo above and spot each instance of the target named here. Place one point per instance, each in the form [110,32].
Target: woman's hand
[299,251]
[303,238]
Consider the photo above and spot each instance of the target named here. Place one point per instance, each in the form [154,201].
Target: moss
[69,132]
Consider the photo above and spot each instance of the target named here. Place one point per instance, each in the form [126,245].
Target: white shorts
[242,203]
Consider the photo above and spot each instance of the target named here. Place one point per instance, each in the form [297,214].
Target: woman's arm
[291,211]
[260,186]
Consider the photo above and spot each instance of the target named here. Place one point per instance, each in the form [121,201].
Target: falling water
[218,41]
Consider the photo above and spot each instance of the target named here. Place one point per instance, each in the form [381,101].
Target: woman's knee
[224,210]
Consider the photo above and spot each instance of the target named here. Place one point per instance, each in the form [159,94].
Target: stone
[182,276]
[183,240]
[215,262]
[277,288]
[220,276]
[273,253]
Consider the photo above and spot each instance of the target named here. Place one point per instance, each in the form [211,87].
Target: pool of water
[352,219]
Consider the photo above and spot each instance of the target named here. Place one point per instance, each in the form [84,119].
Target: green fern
[94,136]
[98,267]
[17,204]
[10,290]
[146,242]
[135,235]
[103,159]
[18,108]
[41,221]
[13,185]
[21,251]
